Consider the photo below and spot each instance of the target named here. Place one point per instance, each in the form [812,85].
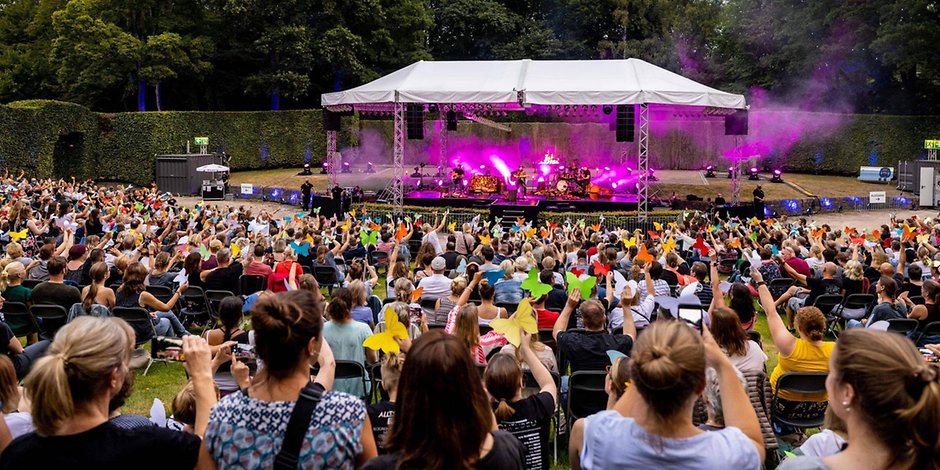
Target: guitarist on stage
[456,176]
[519,177]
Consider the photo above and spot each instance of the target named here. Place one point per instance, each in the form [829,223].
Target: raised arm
[542,376]
[561,324]
[465,295]
[783,340]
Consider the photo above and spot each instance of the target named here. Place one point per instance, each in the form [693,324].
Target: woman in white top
[651,424]
[745,354]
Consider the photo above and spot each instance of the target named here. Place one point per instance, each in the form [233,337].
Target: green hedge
[31,130]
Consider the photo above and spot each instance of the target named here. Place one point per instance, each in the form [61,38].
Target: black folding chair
[586,394]
[214,297]
[195,305]
[163,294]
[918,300]
[904,326]
[249,284]
[326,277]
[16,315]
[779,285]
[807,383]
[510,307]
[545,336]
[375,377]
[142,323]
[755,337]
[31,283]
[826,302]
[50,318]
[529,382]
[932,330]
[352,370]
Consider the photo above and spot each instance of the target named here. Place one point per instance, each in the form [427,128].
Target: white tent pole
[736,173]
[643,163]
[398,188]
[331,156]
[442,159]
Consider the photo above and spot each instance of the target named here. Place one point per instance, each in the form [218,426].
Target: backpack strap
[287,457]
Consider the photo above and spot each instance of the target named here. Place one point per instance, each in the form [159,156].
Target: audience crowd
[490,341]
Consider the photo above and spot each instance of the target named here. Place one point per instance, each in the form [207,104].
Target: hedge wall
[31,130]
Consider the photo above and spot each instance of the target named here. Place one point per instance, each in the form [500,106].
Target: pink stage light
[545,170]
[541,179]
[500,165]
[466,183]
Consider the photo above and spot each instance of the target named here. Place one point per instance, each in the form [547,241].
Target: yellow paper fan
[511,328]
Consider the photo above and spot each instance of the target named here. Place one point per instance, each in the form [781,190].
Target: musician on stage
[456,176]
[520,177]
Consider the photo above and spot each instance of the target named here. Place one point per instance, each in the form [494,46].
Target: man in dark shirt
[55,291]
[305,194]
[587,350]
[451,256]
[225,277]
[798,297]
[759,202]
[557,297]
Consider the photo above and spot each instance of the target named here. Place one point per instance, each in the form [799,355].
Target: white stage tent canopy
[542,82]
[514,85]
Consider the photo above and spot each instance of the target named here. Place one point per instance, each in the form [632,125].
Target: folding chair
[428,306]
[904,326]
[855,307]
[586,394]
[195,305]
[380,261]
[484,329]
[779,285]
[755,337]
[163,294]
[352,370]
[326,277]
[214,297]
[826,302]
[16,315]
[375,378]
[510,307]
[918,300]
[932,330]
[545,336]
[803,383]
[142,323]
[31,283]
[249,284]
[50,318]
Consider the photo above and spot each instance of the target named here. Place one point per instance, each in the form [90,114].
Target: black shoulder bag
[297,426]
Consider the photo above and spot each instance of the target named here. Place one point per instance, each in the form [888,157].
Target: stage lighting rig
[777,176]
[710,171]
[730,172]
[753,173]
[306,169]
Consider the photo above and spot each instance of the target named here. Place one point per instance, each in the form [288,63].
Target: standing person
[305,194]
[889,398]
[759,202]
[442,391]
[529,419]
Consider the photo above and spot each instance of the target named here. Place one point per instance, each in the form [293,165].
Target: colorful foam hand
[386,340]
[532,284]
[512,327]
[585,285]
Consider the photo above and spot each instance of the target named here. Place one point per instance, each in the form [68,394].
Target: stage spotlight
[325,168]
[307,169]
[608,109]
[710,171]
[651,175]
[753,173]
[730,172]
[777,176]
[370,168]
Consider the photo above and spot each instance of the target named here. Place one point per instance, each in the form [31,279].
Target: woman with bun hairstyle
[246,429]
[443,418]
[808,353]
[70,390]
[11,283]
[651,426]
[889,398]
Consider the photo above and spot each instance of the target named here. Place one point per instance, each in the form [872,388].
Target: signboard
[201,140]
[877,197]
[932,144]
[247,189]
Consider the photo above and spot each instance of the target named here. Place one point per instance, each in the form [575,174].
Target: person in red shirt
[546,318]
[798,264]
[257,267]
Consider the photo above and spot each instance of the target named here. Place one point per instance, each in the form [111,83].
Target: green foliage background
[121,146]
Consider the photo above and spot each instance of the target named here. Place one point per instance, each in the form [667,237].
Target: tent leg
[442,158]
[331,156]
[736,173]
[398,186]
[643,163]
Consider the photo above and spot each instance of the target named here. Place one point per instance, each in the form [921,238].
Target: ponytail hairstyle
[486,290]
[11,273]
[284,329]
[503,379]
[931,291]
[403,289]
[391,370]
[77,367]
[162,261]
[98,273]
[668,367]
[896,393]
[230,315]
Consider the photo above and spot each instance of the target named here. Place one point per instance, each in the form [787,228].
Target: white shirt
[434,240]
[753,359]
[435,286]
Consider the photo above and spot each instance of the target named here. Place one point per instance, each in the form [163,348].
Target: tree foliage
[864,55]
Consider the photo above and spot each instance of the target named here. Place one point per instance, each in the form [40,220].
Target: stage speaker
[414,119]
[452,120]
[331,120]
[625,125]
[736,124]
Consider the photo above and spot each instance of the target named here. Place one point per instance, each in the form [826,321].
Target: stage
[496,202]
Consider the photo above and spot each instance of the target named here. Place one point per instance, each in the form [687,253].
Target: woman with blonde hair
[70,390]
[651,424]
[853,278]
[444,305]
[889,398]
[11,284]
[15,406]
[464,323]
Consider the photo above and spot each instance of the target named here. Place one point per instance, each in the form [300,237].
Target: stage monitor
[331,120]
[625,124]
[452,120]
[414,119]
[736,124]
